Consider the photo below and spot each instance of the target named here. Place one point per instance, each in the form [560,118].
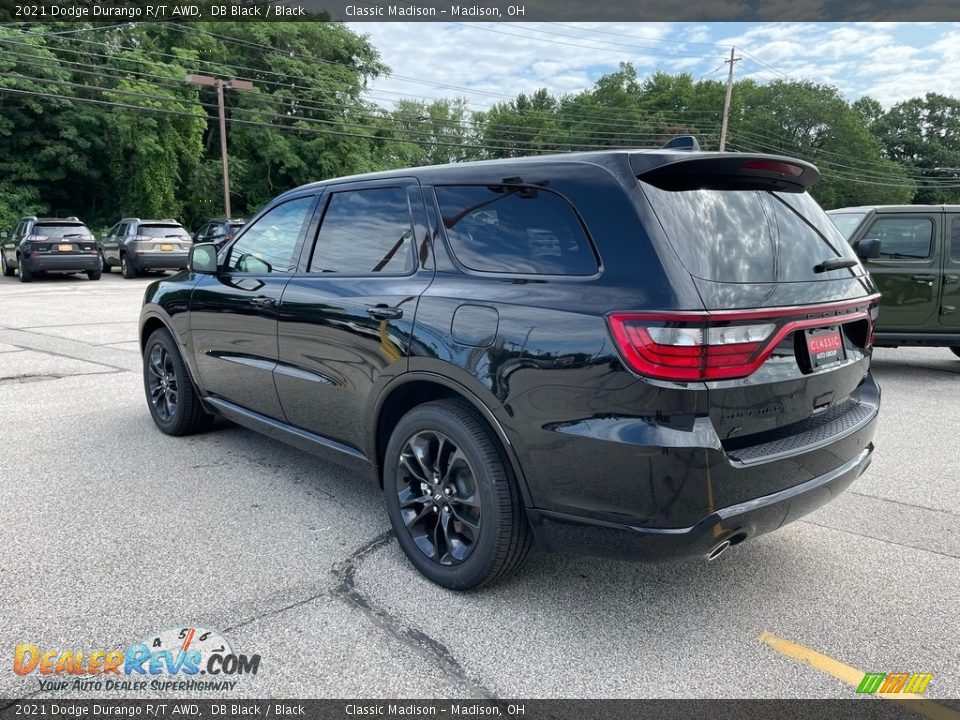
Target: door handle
[385,312]
[262,301]
[925,279]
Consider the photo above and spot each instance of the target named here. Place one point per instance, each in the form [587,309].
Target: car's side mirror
[203,259]
[868,249]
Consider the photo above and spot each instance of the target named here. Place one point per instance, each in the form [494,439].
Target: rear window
[847,223]
[163,231]
[510,229]
[749,236]
[60,230]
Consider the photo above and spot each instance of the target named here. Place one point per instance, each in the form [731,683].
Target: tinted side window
[268,245]
[514,230]
[903,238]
[365,231]
[955,239]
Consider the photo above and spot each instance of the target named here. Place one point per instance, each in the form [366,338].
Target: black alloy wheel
[439,501]
[162,382]
[174,404]
[452,497]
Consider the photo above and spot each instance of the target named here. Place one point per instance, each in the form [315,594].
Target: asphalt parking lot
[110,531]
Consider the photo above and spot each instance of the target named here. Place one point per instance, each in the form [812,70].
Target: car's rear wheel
[25,274]
[955,350]
[127,268]
[171,397]
[104,265]
[452,498]
[7,270]
[94,274]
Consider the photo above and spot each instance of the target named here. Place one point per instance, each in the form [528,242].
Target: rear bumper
[38,262]
[569,533]
[159,261]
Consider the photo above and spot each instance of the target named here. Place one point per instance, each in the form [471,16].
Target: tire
[177,409]
[469,484]
[25,274]
[955,350]
[94,274]
[126,268]
[104,265]
[7,270]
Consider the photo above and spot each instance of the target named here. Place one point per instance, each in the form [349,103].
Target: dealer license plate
[824,346]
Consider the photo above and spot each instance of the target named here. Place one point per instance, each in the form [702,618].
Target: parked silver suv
[137,245]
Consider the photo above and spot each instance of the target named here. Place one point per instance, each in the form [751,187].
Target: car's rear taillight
[720,345]
[36,238]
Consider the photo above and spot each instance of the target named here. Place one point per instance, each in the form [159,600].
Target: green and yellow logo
[880,683]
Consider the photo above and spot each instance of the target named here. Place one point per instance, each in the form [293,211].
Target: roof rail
[682,142]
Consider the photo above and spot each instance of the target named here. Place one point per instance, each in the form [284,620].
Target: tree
[923,136]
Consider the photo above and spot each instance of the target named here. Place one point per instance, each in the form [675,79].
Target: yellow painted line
[852,676]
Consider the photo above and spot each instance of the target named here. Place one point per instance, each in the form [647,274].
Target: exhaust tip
[718,550]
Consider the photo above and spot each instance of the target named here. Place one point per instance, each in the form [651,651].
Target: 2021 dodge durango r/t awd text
[641,354]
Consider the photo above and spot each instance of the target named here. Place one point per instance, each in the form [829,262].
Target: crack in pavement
[45,377]
[345,589]
[899,502]
[880,539]
[72,349]
[414,638]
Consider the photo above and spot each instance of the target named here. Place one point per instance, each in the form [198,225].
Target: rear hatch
[163,238]
[783,341]
[62,238]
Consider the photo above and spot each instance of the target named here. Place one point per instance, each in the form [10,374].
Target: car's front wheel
[171,397]
[955,350]
[452,497]
[104,265]
[7,270]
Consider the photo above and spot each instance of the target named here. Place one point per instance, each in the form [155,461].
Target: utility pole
[726,102]
[220,84]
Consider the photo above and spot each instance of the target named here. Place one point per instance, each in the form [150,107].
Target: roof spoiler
[682,142]
[725,171]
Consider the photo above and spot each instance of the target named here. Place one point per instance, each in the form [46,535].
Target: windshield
[749,236]
[61,230]
[847,223]
[163,231]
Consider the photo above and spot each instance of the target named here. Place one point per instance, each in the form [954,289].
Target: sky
[491,62]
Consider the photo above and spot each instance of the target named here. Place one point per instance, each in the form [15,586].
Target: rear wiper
[836,263]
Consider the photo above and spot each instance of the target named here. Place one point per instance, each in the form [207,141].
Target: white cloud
[491,62]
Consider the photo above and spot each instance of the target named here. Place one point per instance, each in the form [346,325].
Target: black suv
[40,245]
[138,245]
[642,354]
[219,232]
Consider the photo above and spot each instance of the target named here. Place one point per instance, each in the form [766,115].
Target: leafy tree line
[98,121]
